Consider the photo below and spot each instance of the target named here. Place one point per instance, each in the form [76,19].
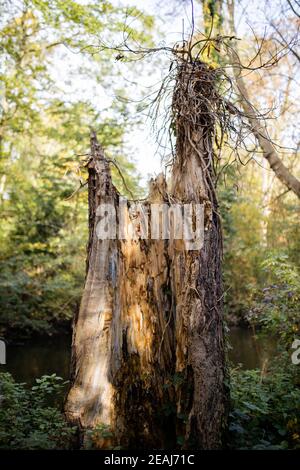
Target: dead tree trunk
[148,352]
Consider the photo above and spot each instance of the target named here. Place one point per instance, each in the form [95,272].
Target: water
[48,356]
[39,357]
[248,350]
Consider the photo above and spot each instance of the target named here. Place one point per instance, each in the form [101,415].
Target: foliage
[276,307]
[244,250]
[266,404]
[265,408]
[253,237]
[101,436]
[44,142]
[27,421]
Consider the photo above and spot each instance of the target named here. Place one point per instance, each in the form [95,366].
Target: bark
[148,352]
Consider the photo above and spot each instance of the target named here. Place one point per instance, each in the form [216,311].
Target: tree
[258,127]
[214,24]
[148,345]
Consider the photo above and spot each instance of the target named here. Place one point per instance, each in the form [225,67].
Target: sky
[142,140]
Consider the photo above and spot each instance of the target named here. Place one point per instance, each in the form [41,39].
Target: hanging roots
[197,108]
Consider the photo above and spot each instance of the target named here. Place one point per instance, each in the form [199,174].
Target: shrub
[27,420]
[265,411]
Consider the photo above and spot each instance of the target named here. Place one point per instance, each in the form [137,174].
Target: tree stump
[148,348]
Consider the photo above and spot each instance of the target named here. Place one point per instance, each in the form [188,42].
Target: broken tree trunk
[148,347]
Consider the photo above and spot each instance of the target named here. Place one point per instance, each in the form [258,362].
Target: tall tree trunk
[148,347]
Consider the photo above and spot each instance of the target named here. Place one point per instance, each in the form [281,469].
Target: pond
[52,355]
[248,350]
[38,357]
